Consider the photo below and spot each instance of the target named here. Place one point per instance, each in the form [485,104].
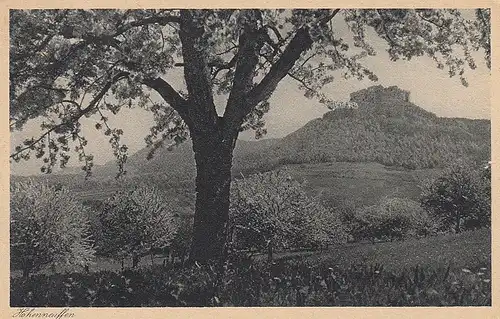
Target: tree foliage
[272,211]
[67,64]
[47,227]
[135,222]
[460,197]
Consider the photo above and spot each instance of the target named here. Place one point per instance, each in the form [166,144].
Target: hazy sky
[431,89]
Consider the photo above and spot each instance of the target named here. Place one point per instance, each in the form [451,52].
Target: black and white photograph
[245,157]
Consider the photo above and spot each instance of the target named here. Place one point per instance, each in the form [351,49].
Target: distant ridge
[386,128]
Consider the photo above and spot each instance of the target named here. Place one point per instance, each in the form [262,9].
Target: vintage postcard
[278,160]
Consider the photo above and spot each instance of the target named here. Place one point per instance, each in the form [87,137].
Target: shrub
[47,227]
[181,243]
[393,218]
[270,210]
[460,197]
[135,222]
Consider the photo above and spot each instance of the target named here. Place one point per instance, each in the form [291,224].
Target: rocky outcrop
[377,95]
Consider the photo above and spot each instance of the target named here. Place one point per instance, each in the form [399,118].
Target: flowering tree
[47,226]
[270,210]
[135,223]
[69,64]
[460,197]
[393,218]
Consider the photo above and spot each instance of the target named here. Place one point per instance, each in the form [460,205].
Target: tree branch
[197,74]
[75,117]
[170,95]
[228,50]
[330,16]
[163,21]
[301,42]
[276,32]
[31,145]
[103,92]
[224,66]
[301,81]
[250,43]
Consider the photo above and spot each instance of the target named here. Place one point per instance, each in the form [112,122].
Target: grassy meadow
[468,249]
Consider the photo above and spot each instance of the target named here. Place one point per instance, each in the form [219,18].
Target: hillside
[388,129]
[382,148]
[359,184]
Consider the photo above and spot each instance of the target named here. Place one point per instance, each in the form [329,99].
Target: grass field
[469,249]
[360,183]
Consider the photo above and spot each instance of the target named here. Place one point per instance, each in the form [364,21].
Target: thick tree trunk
[213,156]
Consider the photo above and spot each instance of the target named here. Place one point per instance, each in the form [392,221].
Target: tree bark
[213,156]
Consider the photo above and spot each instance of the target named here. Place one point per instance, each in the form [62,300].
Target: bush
[181,243]
[47,227]
[393,218]
[135,222]
[270,210]
[460,198]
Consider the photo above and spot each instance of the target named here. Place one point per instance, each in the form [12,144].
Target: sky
[430,88]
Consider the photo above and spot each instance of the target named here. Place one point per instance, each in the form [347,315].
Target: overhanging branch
[75,117]
[171,96]
[300,43]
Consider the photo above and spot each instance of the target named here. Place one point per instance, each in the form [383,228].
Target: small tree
[47,226]
[135,222]
[366,224]
[393,218]
[460,197]
[182,239]
[271,210]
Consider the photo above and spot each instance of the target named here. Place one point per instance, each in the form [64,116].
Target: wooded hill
[385,128]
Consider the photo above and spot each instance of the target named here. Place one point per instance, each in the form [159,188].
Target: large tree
[69,64]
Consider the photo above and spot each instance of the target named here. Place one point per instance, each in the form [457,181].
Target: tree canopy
[67,64]
[460,197]
[136,222]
